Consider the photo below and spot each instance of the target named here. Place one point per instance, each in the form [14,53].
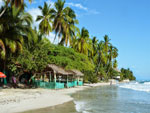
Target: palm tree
[115,64]
[45,18]
[17,3]
[15,27]
[64,21]
[94,46]
[69,27]
[83,44]
[99,56]
[106,43]
[112,54]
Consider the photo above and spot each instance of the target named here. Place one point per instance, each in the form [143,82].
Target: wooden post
[55,79]
[67,81]
[50,77]
[78,80]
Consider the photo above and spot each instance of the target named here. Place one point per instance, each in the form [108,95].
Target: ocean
[133,97]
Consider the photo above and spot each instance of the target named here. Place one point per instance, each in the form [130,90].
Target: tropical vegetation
[21,44]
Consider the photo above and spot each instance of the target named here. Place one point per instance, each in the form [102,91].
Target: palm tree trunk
[1,14]
[98,64]
[55,38]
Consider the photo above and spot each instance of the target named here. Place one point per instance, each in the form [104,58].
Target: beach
[20,100]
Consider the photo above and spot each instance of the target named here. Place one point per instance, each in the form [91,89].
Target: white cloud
[51,38]
[35,12]
[78,6]
[1,3]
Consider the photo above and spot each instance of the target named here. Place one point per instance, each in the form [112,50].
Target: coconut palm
[64,22]
[16,3]
[106,43]
[94,46]
[59,16]
[45,18]
[84,44]
[115,64]
[112,54]
[69,26]
[99,56]
[15,26]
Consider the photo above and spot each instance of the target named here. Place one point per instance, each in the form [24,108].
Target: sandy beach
[19,100]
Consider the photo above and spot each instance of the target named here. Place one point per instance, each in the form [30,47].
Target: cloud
[80,6]
[35,12]
[1,3]
[51,38]
[77,6]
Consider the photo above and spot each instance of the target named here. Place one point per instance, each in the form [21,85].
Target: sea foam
[138,86]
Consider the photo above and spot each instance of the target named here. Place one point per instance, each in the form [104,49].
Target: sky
[126,22]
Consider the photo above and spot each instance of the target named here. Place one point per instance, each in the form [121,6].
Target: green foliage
[20,44]
[15,28]
[45,18]
[127,74]
[35,60]
[89,76]
[69,59]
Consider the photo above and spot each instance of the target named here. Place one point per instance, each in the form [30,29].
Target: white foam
[79,105]
[148,83]
[137,86]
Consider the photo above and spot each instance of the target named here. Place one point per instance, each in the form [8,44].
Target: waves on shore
[138,86]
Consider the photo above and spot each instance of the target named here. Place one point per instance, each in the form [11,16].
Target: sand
[19,100]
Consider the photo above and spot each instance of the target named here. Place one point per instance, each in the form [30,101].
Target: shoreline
[21,100]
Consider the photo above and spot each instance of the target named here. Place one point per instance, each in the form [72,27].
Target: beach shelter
[60,75]
[78,77]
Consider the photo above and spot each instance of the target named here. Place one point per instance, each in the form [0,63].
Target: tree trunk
[98,64]
[1,14]
[54,38]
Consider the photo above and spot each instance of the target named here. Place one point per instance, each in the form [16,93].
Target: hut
[58,77]
[78,77]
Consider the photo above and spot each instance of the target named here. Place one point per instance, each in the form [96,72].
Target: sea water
[131,97]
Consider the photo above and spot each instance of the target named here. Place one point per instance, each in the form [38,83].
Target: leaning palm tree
[45,18]
[15,26]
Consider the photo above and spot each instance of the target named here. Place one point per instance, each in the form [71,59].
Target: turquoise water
[125,98]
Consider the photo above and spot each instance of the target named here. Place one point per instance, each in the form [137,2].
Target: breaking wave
[138,86]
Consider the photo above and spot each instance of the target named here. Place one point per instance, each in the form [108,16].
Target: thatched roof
[58,69]
[117,70]
[77,72]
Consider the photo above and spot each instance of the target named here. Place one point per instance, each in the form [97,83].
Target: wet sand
[20,100]
[68,107]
